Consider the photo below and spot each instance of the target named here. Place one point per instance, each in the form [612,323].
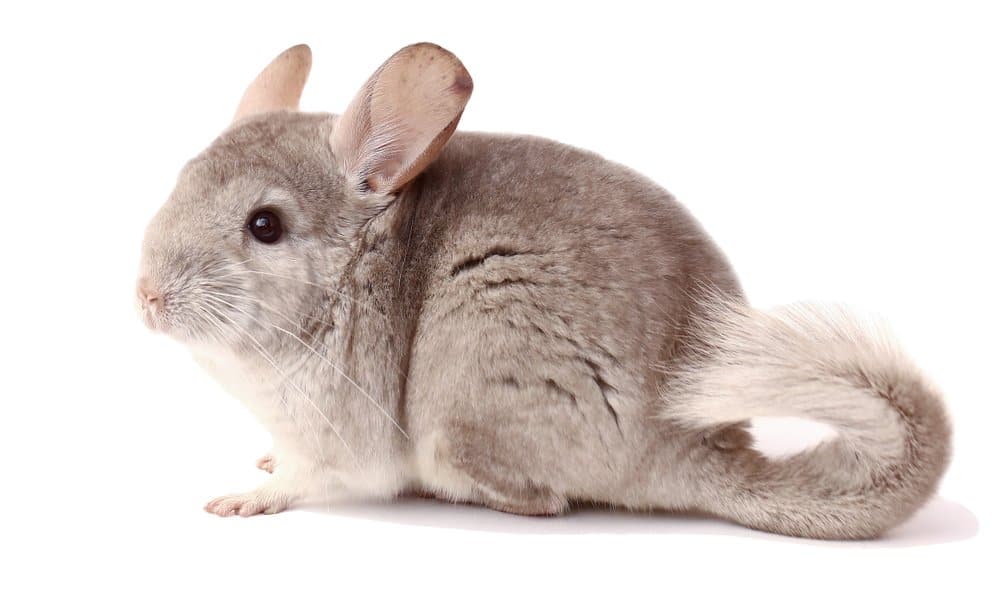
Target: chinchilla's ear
[279,86]
[401,119]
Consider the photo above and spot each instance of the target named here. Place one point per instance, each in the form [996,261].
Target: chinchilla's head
[256,234]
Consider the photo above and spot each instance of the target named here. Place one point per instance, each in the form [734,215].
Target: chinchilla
[508,321]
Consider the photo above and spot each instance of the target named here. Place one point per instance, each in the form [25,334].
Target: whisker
[325,288]
[264,304]
[313,340]
[252,300]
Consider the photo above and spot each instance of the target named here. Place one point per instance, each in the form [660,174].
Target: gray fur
[525,325]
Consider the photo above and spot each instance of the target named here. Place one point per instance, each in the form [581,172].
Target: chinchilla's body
[508,321]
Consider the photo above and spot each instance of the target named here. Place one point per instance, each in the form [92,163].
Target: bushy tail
[819,364]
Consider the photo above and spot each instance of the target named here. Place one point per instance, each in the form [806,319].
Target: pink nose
[149,298]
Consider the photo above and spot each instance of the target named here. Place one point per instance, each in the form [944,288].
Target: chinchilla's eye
[265,226]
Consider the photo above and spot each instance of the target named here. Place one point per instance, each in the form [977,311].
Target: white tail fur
[821,364]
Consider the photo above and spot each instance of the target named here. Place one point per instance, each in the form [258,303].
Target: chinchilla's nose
[150,299]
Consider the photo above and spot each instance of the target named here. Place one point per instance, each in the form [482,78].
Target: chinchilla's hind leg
[468,463]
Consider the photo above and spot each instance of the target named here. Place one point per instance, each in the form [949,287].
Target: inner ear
[402,117]
[279,86]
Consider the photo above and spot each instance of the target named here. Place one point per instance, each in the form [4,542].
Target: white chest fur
[260,386]
[302,419]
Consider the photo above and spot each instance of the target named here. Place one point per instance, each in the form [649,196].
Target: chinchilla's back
[623,254]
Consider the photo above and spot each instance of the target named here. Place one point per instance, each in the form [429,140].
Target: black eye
[265,226]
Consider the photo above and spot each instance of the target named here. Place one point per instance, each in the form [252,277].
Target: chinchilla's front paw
[261,501]
[267,463]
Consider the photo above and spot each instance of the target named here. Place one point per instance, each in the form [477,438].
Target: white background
[845,153]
